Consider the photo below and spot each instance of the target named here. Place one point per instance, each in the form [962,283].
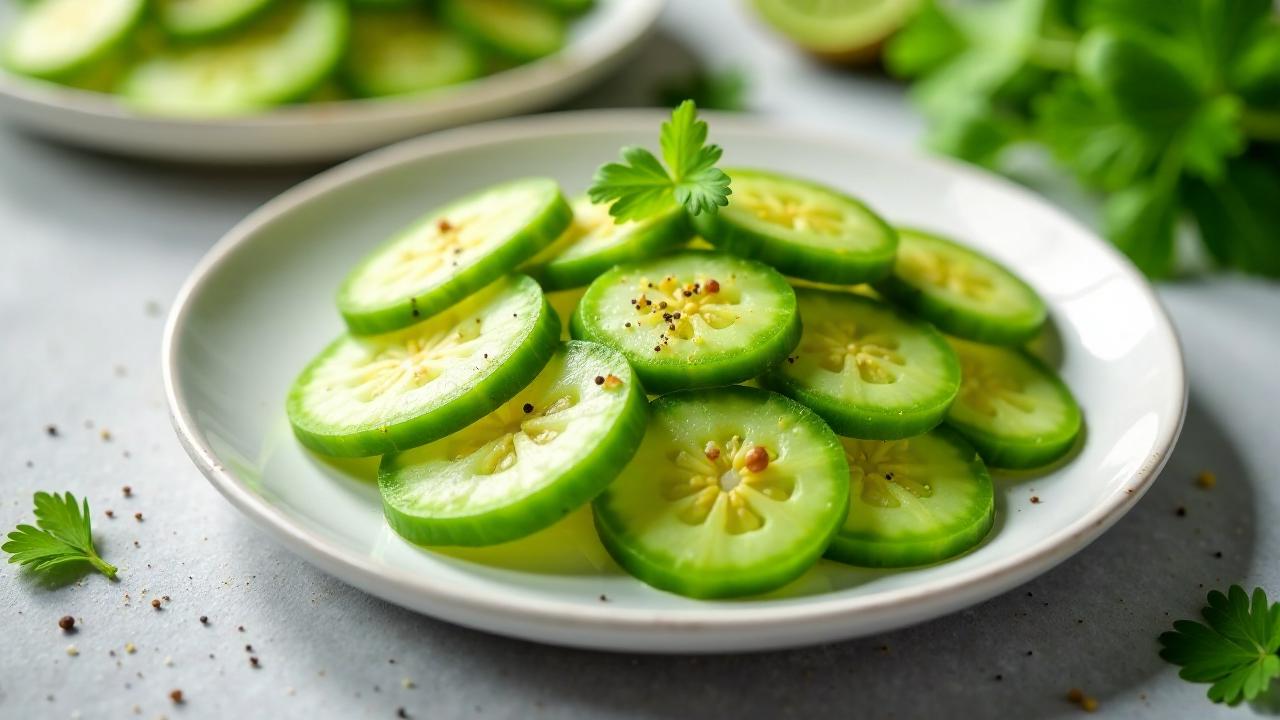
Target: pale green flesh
[55,36]
[512,454]
[516,26]
[373,381]
[921,488]
[594,230]
[862,352]
[801,213]
[442,245]
[200,16]
[836,25]
[1006,395]
[564,302]
[962,278]
[748,306]
[669,511]
[403,52]
[278,59]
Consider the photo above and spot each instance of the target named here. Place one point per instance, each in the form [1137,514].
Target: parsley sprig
[640,187]
[1169,110]
[1236,650]
[64,535]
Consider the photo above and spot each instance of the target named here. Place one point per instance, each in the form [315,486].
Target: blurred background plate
[261,304]
[599,42]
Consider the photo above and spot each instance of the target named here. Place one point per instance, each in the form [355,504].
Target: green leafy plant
[711,90]
[1235,650]
[64,535]
[640,187]
[1168,108]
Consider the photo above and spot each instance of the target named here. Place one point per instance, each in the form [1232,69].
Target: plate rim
[913,604]
[538,76]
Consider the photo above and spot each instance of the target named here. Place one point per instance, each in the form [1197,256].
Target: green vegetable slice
[397,52]
[693,319]
[842,29]
[452,252]
[201,19]
[372,395]
[542,454]
[595,242]
[801,228]
[913,501]
[871,371]
[1012,407]
[518,29]
[282,57]
[59,39]
[734,491]
[963,292]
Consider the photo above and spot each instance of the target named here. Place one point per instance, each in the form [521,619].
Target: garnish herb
[1169,109]
[1235,650]
[63,535]
[640,187]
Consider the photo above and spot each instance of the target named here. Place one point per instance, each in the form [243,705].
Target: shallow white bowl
[261,303]
[328,131]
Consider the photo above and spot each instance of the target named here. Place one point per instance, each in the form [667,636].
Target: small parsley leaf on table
[64,534]
[1236,650]
[640,187]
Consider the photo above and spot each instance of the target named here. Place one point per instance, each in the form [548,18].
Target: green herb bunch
[1170,108]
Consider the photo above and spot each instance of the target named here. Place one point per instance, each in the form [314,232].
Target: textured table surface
[92,249]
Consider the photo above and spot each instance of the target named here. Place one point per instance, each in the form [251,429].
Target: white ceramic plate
[261,303]
[328,131]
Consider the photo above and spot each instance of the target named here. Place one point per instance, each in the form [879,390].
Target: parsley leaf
[1104,151]
[639,186]
[1236,650]
[1156,104]
[64,535]
[1238,214]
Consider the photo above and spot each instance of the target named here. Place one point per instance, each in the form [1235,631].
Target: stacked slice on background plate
[217,58]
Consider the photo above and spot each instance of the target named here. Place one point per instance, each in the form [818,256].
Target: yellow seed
[1089,704]
[1206,480]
